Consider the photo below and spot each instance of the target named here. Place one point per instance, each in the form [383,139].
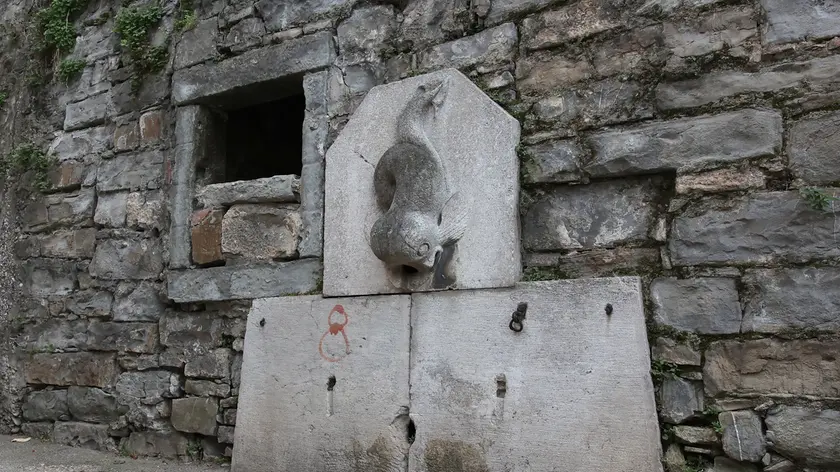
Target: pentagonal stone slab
[571,391]
[475,140]
[324,385]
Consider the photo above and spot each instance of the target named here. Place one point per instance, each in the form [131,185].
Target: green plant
[818,199]
[55,25]
[187,17]
[134,26]
[29,158]
[194,449]
[69,69]
[660,370]
[717,427]
[3,96]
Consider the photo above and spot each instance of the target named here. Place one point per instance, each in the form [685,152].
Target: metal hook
[518,317]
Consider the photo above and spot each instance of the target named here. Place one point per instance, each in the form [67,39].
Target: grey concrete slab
[570,392]
[476,141]
[324,385]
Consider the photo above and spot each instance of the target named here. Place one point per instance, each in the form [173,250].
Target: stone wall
[673,139]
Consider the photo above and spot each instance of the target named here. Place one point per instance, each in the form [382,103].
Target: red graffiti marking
[333,330]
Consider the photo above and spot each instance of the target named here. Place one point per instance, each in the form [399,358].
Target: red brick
[207,236]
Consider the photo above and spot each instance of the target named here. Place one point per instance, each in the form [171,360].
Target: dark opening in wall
[265,140]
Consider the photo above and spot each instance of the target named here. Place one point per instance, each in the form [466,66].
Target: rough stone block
[544,73]
[229,416]
[276,189]
[213,365]
[705,305]
[195,415]
[680,400]
[696,435]
[42,431]
[607,101]
[77,244]
[721,30]
[668,350]
[686,144]
[183,330]
[226,434]
[206,388]
[127,259]
[89,112]
[146,210]
[126,137]
[804,19]
[785,299]
[244,282]
[53,334]
[471,394]
[367,361]
[169,445]
[601,214]
[60,210]
[476,140]
[761,228]
[149,387]
[280,16]
[724,464]
[813,148]
[743,438]
[46,405]
[555,161]
[432,21]
[260,66]
[141,302]
[92,369]
[198,44]
[718,85]
[70,175]
[129,337]
[90,436]
[501,10]
[568,23]
[83,145]
[771,366]
[261,232]
[806,434]
[110,209]
[139,171]
[151,127]
[721,180]
[485,50]
[206,236]
[367,30]
[92,405]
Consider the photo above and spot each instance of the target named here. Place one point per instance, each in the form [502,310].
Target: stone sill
[277,189]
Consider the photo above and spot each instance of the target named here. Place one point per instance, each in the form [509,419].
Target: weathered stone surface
[46,405]
[594,103]
[195,415]
[206,388]
[680,400]
[808,435]
[77,244]
[198,44]
[213,365]
[45,278]
[169,445]
[433,21]
[59,210]
[367,30]
[485,50]
[151,127]
[717,85]
[600,214]
[720,180]
[703,305]
[70,175]
[110,209]
[258,281]
[93,369]
[544,73]
[127,259]
[206,236]
[262,65]
[226,434]
[668,350]
[42,431]
[784,299]
[277,189]
[686,144]
[760,228]
[813,145]
[146,210]
[83,145]
[568,23]
[478,140]
[501,10]
[91,436]
[228,416]
[261,232]
[375,361]
[743,438]
[282,15]
[771,366]
[149,387]
[804,19]
[126,137]
[183,330]
[461,386]
[724,464]
[553,161]
[245,35]
[130,337]
[139,302]
[140,362]
[92,405]
[695,435]
[55,334]
[89,112]
[149,417]
[634,51]
[138,171]
[727,30]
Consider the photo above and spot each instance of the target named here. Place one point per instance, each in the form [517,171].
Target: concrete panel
[570,392]
[292,417]
[475,140]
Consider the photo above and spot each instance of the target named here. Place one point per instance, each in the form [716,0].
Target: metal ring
[517,323]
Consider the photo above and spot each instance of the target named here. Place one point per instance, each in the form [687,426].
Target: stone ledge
[277,189]
[231,283]
[208,82]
